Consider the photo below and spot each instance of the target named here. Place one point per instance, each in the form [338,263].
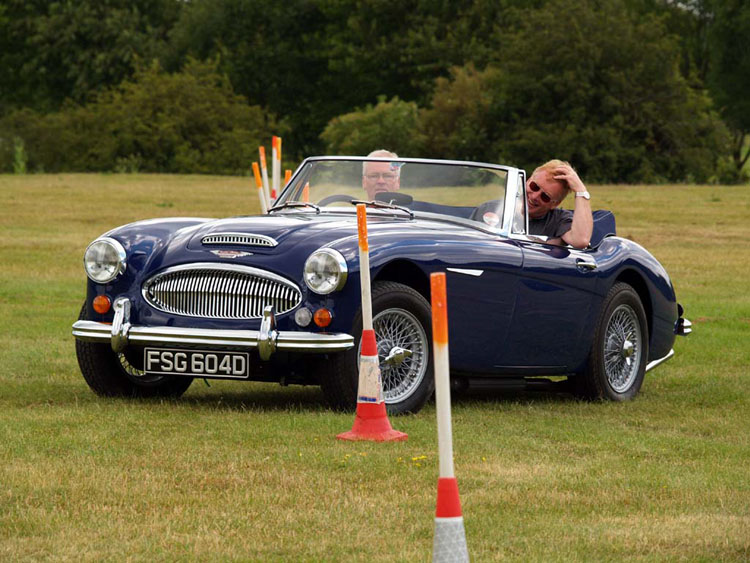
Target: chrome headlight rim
[121,259]
[338,259]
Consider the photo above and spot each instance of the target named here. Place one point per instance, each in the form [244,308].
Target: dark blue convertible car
[277,297]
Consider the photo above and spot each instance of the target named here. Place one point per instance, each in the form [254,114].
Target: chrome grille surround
[219,291]
[240,239]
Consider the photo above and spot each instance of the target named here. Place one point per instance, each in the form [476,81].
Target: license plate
[196,363]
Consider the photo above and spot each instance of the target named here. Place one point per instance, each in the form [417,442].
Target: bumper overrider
[267,340]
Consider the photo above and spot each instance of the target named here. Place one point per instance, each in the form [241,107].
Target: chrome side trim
[92,331]
[466,271]
[241,239]
[653,364]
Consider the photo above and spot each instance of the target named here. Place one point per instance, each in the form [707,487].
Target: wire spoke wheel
[135,374]
[399,329]
[623,348]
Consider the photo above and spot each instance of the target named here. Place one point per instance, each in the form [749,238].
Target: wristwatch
[585,194]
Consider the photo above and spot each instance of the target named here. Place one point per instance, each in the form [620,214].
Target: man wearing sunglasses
[545,191]
[380,177]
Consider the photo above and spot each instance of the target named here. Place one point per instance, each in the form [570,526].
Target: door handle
[588,265]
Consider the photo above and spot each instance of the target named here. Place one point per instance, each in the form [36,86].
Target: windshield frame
[515,182]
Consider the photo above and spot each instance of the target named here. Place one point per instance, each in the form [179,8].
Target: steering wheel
[335,198]
[488,212]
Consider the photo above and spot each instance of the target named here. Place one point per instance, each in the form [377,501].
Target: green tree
[390,125]
[187,122]
[50,51]
[729,73]
[600,86]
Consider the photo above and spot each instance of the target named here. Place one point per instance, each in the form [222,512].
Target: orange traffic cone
[371,421]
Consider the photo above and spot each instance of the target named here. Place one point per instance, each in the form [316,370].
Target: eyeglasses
[387,176]
[546,198]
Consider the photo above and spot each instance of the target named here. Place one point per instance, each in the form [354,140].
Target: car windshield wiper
[289,204]
[383,205]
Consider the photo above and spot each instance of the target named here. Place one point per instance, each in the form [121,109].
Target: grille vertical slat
[220,291]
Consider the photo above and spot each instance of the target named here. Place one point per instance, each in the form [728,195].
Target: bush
[391,125]
[187,122]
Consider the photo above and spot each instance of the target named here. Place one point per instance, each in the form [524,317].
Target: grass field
[244,471]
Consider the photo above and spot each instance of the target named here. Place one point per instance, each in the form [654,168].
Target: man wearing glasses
[545,191]
[380,177]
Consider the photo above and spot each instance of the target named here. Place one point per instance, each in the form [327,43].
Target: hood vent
[239,239]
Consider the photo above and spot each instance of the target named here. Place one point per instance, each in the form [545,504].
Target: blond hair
[549,166]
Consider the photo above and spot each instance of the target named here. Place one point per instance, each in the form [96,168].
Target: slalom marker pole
[264,173]
[275,167]
[450,537]
[306,193]
[287,176]
[442,377]
[259,185]
[364,267]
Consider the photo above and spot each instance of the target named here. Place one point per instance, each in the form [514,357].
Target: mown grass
[244,471]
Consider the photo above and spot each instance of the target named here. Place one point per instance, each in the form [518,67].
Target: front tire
[111,375]
[618,357]
[402,318]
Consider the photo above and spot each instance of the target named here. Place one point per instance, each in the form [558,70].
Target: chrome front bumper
[267,340]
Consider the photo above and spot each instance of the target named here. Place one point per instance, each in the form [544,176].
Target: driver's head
[543,191]
[380,176]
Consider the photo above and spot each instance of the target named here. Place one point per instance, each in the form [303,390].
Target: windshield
[458,190]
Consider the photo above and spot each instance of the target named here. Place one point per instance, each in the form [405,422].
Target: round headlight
[104,260]
[325,271]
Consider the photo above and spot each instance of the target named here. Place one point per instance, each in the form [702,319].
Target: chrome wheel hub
[622,348]
[403,352]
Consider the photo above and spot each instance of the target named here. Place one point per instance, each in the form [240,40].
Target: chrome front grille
[241,239]
[220,291]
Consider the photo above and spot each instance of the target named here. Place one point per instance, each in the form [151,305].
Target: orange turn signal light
[102,304]
[322,317]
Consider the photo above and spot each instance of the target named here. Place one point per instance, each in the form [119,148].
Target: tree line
[627,90]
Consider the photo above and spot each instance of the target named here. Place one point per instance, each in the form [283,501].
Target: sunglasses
[545,197]
[387,176]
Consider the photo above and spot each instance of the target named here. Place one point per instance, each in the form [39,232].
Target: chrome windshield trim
[470,163]
[93,331]
[653,364]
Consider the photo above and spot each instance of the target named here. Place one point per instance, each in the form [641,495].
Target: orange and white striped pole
[259,185]
[371,420]
[275,167]
[306,193]
[287,177]
[264,174]
[450,537]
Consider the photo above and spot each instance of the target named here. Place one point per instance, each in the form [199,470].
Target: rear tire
[618,357]
[111,375]
[403,318]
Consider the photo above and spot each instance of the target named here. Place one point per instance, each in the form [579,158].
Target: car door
[482,285]
[553,309]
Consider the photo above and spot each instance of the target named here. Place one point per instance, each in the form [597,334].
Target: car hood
[279,243]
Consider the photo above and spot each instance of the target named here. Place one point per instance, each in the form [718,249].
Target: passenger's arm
[579,234]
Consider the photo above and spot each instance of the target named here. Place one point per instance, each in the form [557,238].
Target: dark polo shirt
[554,224]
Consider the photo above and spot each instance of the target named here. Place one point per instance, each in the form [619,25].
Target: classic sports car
[277,297]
